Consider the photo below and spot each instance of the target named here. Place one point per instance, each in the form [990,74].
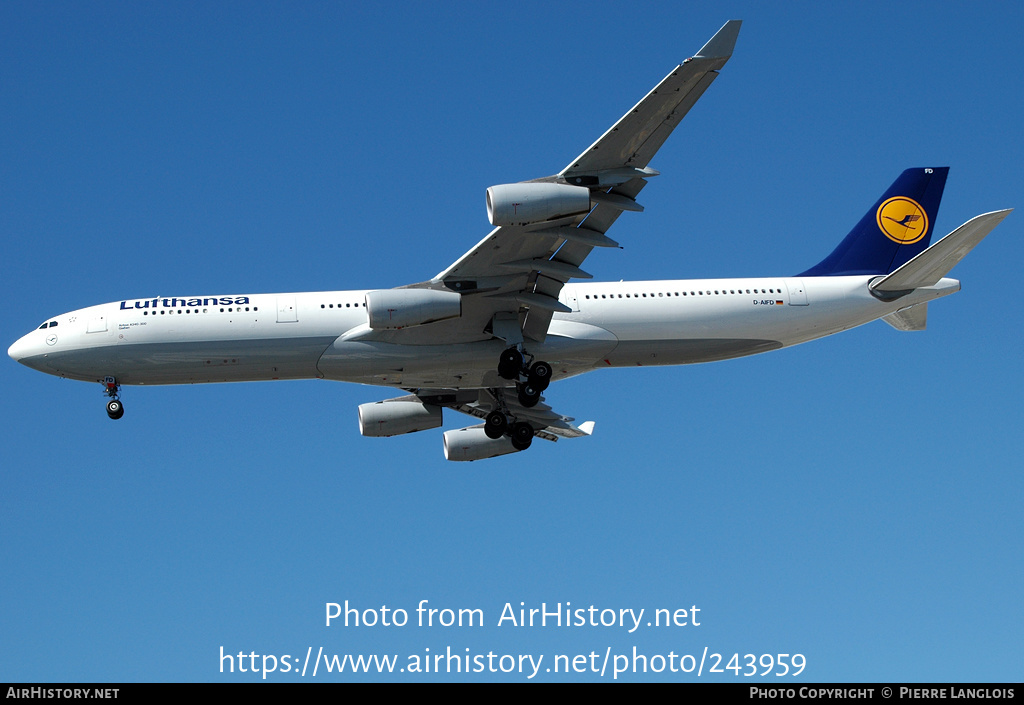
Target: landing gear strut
[115,409]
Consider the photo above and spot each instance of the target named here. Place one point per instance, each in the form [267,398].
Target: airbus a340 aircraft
[487,335]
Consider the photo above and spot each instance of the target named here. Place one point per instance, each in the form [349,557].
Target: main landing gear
[498,424]
[531,379]
[115,409]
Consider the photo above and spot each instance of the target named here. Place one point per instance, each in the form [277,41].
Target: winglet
[587,427]
[722,44]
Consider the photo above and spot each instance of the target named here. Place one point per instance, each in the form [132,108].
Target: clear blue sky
[856,500]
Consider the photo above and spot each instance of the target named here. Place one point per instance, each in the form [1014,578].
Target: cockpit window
[50,324]
[42,327]
[53,323]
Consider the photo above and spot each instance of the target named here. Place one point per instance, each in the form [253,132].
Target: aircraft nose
[21,349]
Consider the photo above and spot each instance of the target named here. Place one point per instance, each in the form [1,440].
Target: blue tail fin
[898,227]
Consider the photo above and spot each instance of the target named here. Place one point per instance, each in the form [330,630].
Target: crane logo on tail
[902,219]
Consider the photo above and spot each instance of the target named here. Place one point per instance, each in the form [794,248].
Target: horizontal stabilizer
[910,318]
[928,267]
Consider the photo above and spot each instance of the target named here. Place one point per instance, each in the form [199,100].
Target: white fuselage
[187,340]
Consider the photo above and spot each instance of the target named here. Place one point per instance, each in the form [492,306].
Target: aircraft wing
[516,272]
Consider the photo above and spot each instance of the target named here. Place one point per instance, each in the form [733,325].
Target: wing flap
[507,244]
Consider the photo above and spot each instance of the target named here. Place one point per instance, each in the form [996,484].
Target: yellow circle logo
[902,219]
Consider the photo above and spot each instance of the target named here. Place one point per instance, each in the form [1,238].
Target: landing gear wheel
[115,409]
[510,363]
[528,395]
[540,375]
[522,435]
[495,425]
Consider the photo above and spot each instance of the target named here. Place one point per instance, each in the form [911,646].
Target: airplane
[486,336]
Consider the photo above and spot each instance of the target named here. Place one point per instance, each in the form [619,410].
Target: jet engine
[473,444]
[397,416]
[391,309]
[519,204]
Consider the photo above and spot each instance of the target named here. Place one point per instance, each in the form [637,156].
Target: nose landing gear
[115,409]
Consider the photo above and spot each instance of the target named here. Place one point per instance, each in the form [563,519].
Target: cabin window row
[179,311]
[714,292]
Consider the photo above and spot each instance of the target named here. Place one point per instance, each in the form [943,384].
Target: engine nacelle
[473,444]
[519,204]
[391,309]
[397,416]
